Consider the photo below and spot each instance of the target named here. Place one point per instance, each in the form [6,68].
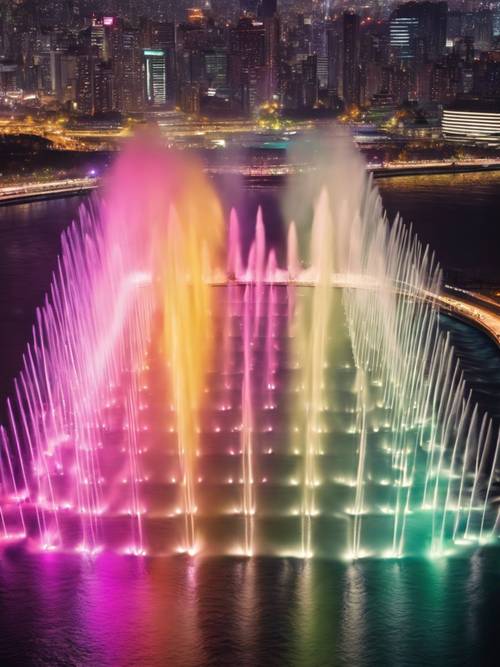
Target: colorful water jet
[180,396]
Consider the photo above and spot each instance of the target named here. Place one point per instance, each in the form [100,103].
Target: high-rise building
[9,75]
[454,27]
[249,63]
[272,53]
[41,57]
[94,85]
[192,40]
[310,82]
[404,31]
[372,81]
[162,36]
[487,77]
[84,83]
[496,21]
[322,72]
[103,88]
[443,85]
[127,67]
[155,77]
[6,29]
[99,36]
[216,68]
[351,44]
[483,30]
[63,68]
[418,30]
[334,55]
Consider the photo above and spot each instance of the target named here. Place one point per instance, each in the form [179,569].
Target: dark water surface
[457,215]
[58,609]
[115,610]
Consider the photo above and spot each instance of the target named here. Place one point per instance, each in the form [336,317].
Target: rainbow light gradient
[186,393]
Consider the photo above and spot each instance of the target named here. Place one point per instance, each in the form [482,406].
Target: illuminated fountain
[178,397]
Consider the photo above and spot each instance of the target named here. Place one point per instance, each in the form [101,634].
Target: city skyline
[232,58]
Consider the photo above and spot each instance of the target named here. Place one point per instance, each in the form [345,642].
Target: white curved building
[472,123]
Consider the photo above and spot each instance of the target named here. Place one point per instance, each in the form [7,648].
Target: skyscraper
[155,77]
[350,88]
[94,94]
[163,37]
[272,44]
[419,28]
[404,32]
[216,68]
[249,60]
[127,64]
[334,54]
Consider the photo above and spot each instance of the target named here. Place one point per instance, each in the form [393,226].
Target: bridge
[39,190]
[480,309]
[67,187]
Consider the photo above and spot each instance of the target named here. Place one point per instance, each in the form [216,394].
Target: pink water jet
[176,398]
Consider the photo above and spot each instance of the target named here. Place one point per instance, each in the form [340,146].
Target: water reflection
[65,610]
